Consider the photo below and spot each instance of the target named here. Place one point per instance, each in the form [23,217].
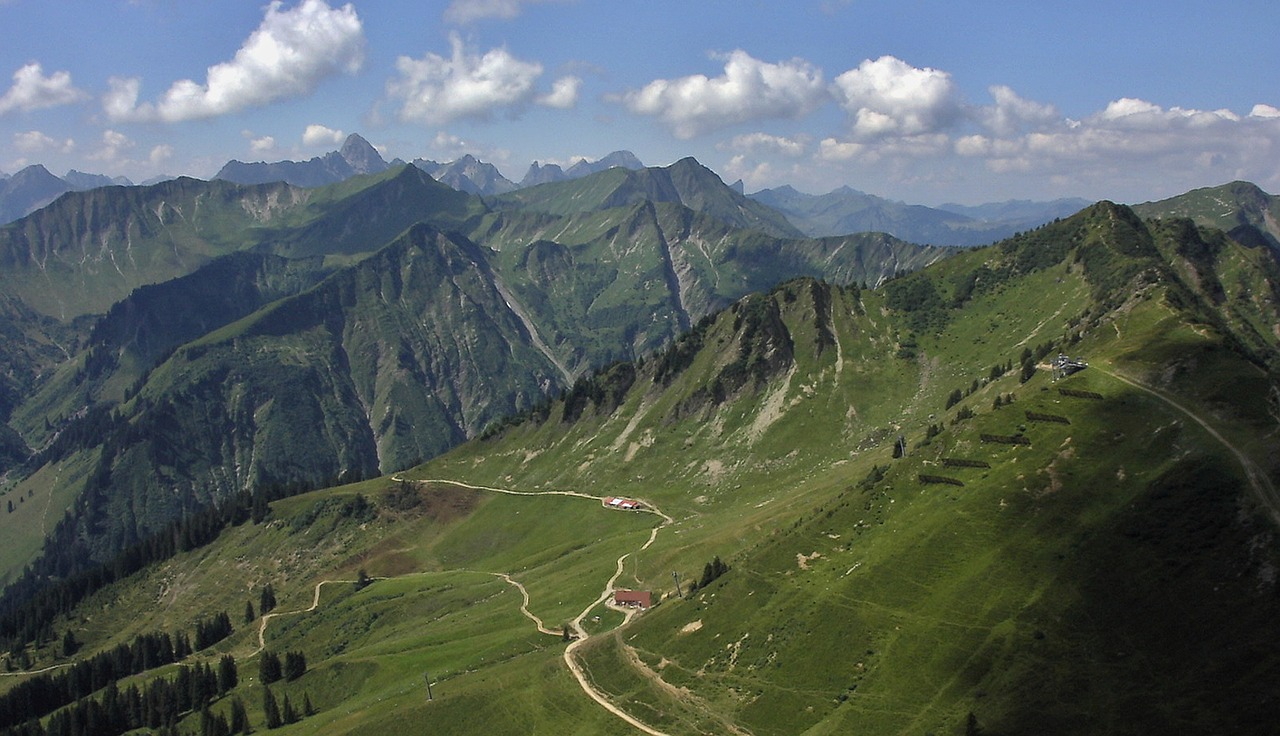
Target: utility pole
[427,677]
[676,576]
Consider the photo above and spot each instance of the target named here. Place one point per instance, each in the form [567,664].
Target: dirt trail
[315,603]
[26,673]
[1263,489]
[524,607]
[580,633]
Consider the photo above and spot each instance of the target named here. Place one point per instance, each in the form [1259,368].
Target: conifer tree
[268,599]
[269,667]
[270,710]
[239,717]
[249,615]
[289,715]
[295,665]
[228,677]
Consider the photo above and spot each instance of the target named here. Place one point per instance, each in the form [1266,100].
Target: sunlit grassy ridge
[1072,556]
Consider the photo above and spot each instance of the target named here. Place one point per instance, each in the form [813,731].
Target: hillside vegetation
[190,342]
[885,511]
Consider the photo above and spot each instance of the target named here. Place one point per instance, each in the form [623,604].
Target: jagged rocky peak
[361,155]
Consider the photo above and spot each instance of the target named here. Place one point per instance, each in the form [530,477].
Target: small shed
[641,599]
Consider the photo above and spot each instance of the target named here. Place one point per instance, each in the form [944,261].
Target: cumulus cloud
[114,145]
[468,11]
[1139,143]
[1012,113]
[888,96]
[749,89]
[764,143]
[32,90]
[288,55]
[831,149]
[264,144]
[159,154]
[34,141]
[319,135]
[437,90]
[563,94]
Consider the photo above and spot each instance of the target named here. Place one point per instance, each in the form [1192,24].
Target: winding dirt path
[581,634]
[524,607]
[28,673]
[1263,489]
[315,603]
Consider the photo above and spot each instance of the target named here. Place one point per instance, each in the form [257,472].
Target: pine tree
[239,717]
[295,665]
[270,710]
[228,677]
[249,615]
[268,600]
[289,714]
[269,667]
[260,508]
[307,708]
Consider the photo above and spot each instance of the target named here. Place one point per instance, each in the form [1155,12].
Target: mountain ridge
[1040,554]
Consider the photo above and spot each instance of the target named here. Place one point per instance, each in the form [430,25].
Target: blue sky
[965,100]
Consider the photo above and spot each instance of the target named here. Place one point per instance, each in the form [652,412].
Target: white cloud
[264,144]
[288,55]
[437,90]
[34,141]
[764,143]
[159,154]
[114,145]
[749,89]
[467,11]
[563,94]
[1138,144]
[1013,113]
[831,149]
[887,96]
[1127,107]
[319,135]
[32,90]
[1264,111]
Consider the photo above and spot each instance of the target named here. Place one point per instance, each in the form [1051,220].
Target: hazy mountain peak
[80,180]
[361,155]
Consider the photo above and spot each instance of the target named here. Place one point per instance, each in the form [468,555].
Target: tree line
[42,694]
[157,706]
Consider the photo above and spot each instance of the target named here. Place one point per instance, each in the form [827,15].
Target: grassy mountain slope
[1083,556]
[377,369]
[90,249]
[685,182]
[1240,208]
[1078,565]
[140,330]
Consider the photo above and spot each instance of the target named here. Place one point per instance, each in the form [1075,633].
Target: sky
[924,101]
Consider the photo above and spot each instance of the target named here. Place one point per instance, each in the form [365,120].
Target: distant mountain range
[355,157]
[847,210]
[34,187]
[547,173]
[839,212]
